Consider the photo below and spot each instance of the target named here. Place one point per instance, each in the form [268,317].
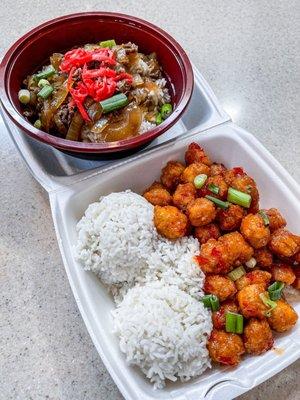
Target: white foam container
[231,146]
[73,184]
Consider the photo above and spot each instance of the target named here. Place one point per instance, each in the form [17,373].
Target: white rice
[146,126]
[164,331]
[173,263]
[117,240]
[115,236]
[162,325]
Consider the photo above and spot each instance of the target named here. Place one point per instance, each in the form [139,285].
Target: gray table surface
[247,51]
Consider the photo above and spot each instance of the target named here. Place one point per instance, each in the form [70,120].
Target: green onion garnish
[43,82]
[108,43]
[268,302]
[264,216]
[234,322]
[114,103]
[45,91]
[211,301]
[158,119]
[275,290]
[166,110]
[199,180]
[237,273]
[24,96]
[46,73]
[239,198]
[239,324]
[219,203]
[251,263]
[213,188]
[38,124]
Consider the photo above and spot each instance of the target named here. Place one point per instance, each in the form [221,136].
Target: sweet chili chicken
[246,253]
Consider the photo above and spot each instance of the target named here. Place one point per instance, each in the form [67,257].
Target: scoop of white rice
[164,331]
[115,237]
[117,240]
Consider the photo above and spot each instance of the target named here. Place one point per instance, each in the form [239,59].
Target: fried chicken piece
[171,173]
[204,233]
[254,230]
[218,317]
[217,169]
[250,303]
[219,256]
[276,220]
[170,222]
[239,251]
[195,153]
[192,170]
[257,336]
[283,273]
[230,219]
[263,257]
[220,286]
[201,212]
[284,243]
[252,277]
[158,195]
[183,195]
[219,181]
[239,180]
[283,317]
[225,348]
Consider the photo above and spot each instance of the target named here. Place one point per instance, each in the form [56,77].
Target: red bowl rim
[82,147]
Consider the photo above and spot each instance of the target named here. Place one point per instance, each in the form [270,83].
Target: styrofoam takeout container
[74,184]
[231,146]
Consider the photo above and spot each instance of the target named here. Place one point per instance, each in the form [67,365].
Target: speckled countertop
[247,52]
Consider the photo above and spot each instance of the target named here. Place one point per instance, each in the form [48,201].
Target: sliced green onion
[213,188]
[239,324]
[46,73]
[264,216]
[239,198]
[24,96]
[43,82]
[158,119]
[114,103]
[211,301]
[45,91]
[275,290]
[108,43]
[237,273]
[38,124]
[166,110]
[219,203]
[251,263]
[199,180]
[234,322]
[268,302]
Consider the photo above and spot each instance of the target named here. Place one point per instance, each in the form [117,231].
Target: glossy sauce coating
[231,236]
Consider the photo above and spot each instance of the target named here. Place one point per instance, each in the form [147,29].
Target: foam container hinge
[233,147]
